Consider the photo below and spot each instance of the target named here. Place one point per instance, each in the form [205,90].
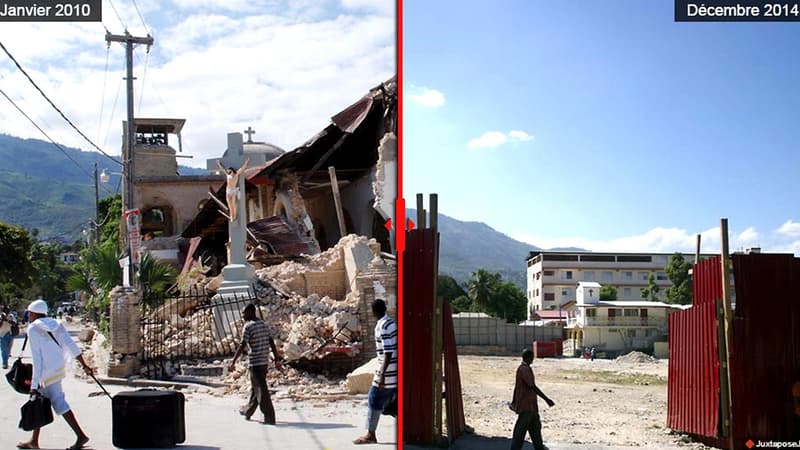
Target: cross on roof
[249,132]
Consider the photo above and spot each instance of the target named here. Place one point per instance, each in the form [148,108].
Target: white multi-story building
[553,277]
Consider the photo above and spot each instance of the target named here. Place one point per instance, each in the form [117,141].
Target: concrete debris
[636,358]
[86,335]
[360,380]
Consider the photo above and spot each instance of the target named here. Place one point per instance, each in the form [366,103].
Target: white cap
[38,307]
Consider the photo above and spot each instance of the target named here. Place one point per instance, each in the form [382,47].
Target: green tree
[448,288]
[110,211]
[651,291]
[462,303]
[156,278]
[50,273]
[493,296]
[480,288]
[678,273]
[16,269]
[608,293]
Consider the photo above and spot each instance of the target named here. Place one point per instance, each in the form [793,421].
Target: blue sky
[283,67]
[604,125]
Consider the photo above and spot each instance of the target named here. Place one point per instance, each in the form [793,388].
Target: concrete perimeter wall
[492,332]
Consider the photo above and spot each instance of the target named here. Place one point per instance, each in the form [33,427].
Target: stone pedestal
[125,330]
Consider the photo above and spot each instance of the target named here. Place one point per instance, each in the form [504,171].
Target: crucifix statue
[238,273]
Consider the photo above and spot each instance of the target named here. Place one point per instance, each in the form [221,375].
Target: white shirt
[49,357]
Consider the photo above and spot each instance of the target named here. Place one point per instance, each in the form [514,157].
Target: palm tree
[155,278]
[480,288]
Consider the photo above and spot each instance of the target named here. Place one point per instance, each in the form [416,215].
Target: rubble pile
[300,383]
[304,304]
[636,358]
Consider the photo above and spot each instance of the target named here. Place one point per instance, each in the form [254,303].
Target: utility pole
[96,208]
[127,158]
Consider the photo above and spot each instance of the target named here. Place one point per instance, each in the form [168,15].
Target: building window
[631,313]
[648,332]
[631,333]
[591,313]
[626,292]
[568,275]
[608,276]
[538,275]
[549,273]
[588,276]
[643,276]
[661,276]
[627,275]
[564,292]
[549,296]
[536,292]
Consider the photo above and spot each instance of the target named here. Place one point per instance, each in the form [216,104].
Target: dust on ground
[600,402]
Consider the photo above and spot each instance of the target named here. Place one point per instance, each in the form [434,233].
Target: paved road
[212,423]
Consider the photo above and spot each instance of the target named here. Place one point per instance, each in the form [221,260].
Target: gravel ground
[601,402]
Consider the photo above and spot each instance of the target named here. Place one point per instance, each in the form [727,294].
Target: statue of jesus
[232,191]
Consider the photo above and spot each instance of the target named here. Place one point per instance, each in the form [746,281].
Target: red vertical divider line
[400,225]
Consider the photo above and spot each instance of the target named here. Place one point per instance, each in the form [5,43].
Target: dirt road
[599,402]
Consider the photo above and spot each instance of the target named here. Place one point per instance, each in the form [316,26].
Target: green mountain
[40,187]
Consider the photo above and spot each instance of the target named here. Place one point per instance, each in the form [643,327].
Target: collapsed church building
[316,236]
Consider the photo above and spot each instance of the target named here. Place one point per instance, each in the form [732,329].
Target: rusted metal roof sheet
[282,239]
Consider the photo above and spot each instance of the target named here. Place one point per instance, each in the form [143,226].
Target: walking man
[384,383]
[7,321]
[525,404]
[255,335]
[49,342]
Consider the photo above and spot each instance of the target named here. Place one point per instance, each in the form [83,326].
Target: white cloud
[666,240]
[490,139]
[430,98]
[519,135]
[285,73]
[493,139]
[749,235]
[790,229]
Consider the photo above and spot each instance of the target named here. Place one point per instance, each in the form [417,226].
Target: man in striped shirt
[384,383]
[256,336]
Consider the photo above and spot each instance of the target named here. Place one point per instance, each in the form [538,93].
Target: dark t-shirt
[524,396]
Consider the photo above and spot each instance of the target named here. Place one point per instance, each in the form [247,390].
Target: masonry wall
[493,332]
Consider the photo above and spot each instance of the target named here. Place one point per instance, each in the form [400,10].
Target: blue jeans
[5,347]
[377,399]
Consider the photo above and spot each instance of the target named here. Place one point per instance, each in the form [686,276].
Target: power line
[118,16]
[103,94]
[140,16]
[53,104]
[45,134]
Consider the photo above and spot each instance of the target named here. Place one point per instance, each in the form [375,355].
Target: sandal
[26,445]
[78,445]
[365,440]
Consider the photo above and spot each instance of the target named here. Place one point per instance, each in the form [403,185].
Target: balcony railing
[620,321]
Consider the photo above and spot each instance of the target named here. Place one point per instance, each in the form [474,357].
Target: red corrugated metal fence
[418,294]
[765,351]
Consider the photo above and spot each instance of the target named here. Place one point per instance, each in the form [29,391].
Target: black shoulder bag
[20,374]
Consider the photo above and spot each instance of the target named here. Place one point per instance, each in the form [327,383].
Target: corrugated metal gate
[693,388]
[765,351]
[418,312]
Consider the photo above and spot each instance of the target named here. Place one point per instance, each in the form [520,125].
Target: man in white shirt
[384,383]
[50,343]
